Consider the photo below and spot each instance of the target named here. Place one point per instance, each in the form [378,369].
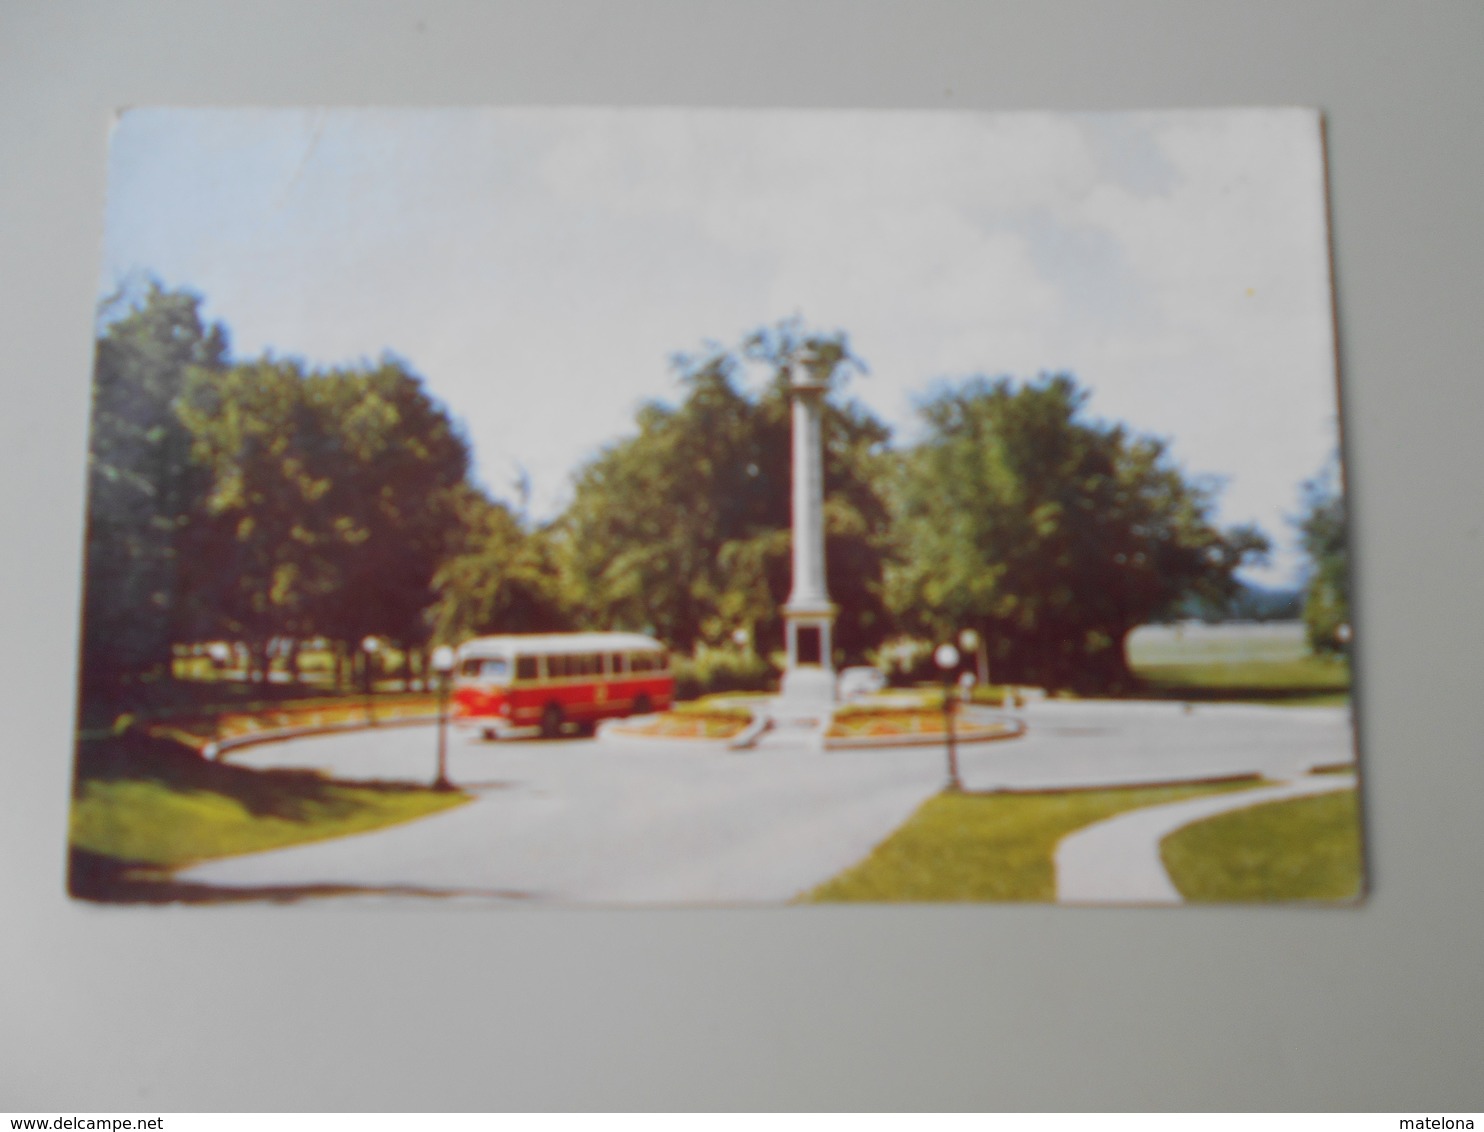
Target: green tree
[334,498]
[1052,535]
[404,467]
[1323,530]
[264,549]
[684,528]
[142,485]
[498,577]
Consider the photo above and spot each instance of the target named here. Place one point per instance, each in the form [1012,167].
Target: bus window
[616,666]
[525,668]
[495,669]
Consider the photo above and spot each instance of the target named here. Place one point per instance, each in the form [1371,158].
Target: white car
[863,680]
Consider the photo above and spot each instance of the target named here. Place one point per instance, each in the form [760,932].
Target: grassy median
[1300,849]
[989,846]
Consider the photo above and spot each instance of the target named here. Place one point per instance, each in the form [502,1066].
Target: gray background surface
[972,1007]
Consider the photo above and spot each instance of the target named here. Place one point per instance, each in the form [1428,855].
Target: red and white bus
[545,680]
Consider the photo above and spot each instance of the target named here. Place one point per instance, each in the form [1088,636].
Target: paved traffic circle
[582,821]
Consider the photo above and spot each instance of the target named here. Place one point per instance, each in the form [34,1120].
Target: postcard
[645,507]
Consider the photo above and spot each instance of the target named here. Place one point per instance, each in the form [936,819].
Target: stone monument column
[808,616]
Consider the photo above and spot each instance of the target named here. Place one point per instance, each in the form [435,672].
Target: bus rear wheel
[551,721]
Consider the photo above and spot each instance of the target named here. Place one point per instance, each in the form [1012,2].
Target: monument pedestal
[807,694]
[808,691]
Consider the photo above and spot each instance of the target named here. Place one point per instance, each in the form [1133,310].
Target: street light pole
[973,643]
[370,646]
[946,657]
[443,666]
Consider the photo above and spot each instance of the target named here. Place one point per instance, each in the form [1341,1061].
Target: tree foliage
[498,577]
[256,500]
[1050,534]
[1323,529]
[685,528]
[332,503]
[142,485]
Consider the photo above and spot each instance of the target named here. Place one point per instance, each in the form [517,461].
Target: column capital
[803,381]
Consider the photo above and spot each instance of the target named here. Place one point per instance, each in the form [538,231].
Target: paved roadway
[611,821]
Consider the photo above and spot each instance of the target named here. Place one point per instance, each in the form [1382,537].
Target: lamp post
[973,643]
[443,666]
[370,646]
[946,658]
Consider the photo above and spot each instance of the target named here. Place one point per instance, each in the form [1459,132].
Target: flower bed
[852,722]
[862,724]
[720,723]
[199,728]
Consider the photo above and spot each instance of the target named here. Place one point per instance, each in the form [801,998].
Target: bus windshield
[489,669]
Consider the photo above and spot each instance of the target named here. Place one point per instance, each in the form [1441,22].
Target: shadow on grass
[107,880]
[146,805]
[293,795]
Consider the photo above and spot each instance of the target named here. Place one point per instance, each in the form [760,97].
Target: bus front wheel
[551,721]
[643,706]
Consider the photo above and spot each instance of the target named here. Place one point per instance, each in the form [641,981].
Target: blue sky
[539,267]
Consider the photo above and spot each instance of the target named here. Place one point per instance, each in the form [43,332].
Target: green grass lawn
[988,846]
[148,805]
[1308,682]
[1301,849]
[1236,663]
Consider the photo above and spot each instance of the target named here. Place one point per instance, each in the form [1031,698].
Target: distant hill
[1249,603]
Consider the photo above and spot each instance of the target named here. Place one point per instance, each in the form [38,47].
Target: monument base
[807,695]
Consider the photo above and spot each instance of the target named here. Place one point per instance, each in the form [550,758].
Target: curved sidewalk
[1117,861]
